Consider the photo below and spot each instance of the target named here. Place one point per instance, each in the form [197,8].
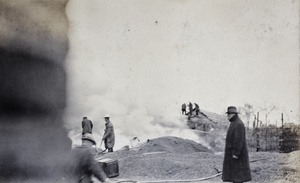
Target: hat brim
[231,112]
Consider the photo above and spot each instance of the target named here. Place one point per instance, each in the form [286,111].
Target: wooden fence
[274,139]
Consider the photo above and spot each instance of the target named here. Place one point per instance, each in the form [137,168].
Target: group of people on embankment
[191,109]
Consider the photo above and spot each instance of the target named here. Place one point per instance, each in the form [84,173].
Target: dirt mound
[166,158]
[171,158]
[172,145]
[135,165]
[169,166]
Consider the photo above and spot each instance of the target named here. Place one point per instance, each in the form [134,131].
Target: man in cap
[236,166]
[109,134]
[82,166]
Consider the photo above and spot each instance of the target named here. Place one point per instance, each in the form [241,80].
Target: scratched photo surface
[139,62]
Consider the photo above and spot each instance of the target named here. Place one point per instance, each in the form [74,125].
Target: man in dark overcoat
[236,166]
[109,134]
[87,126]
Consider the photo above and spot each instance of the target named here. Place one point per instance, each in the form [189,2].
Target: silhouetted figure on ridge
[183,109]
[190,108]
[197,109]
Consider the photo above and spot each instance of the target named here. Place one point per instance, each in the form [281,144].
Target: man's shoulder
[109,125]
[239,122]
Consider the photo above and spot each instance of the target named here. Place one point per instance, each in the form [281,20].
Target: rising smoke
[139,67]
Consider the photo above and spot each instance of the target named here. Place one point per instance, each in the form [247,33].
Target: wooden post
[257,119]
[282,120]
[257,139]
[281,143]
[257,134]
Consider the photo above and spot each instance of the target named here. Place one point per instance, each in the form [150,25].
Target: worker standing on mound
[236,166]
[190,108]
[109,134]
[183,109]
[87,126]
[197,109]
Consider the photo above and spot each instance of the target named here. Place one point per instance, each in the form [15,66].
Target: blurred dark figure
[82,166]
[87,126]
[109,134]
[183,109]
[190,108]
[33,47]
[236,166]
[197,109]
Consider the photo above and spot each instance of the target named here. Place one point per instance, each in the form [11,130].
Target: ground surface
[172,159]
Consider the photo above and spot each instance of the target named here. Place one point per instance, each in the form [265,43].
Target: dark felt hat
[231,110]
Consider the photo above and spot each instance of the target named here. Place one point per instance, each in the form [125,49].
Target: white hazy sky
[140,60]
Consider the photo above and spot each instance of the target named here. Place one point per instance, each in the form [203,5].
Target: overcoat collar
[234,118]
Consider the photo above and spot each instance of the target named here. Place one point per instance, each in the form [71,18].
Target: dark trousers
[110,150]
